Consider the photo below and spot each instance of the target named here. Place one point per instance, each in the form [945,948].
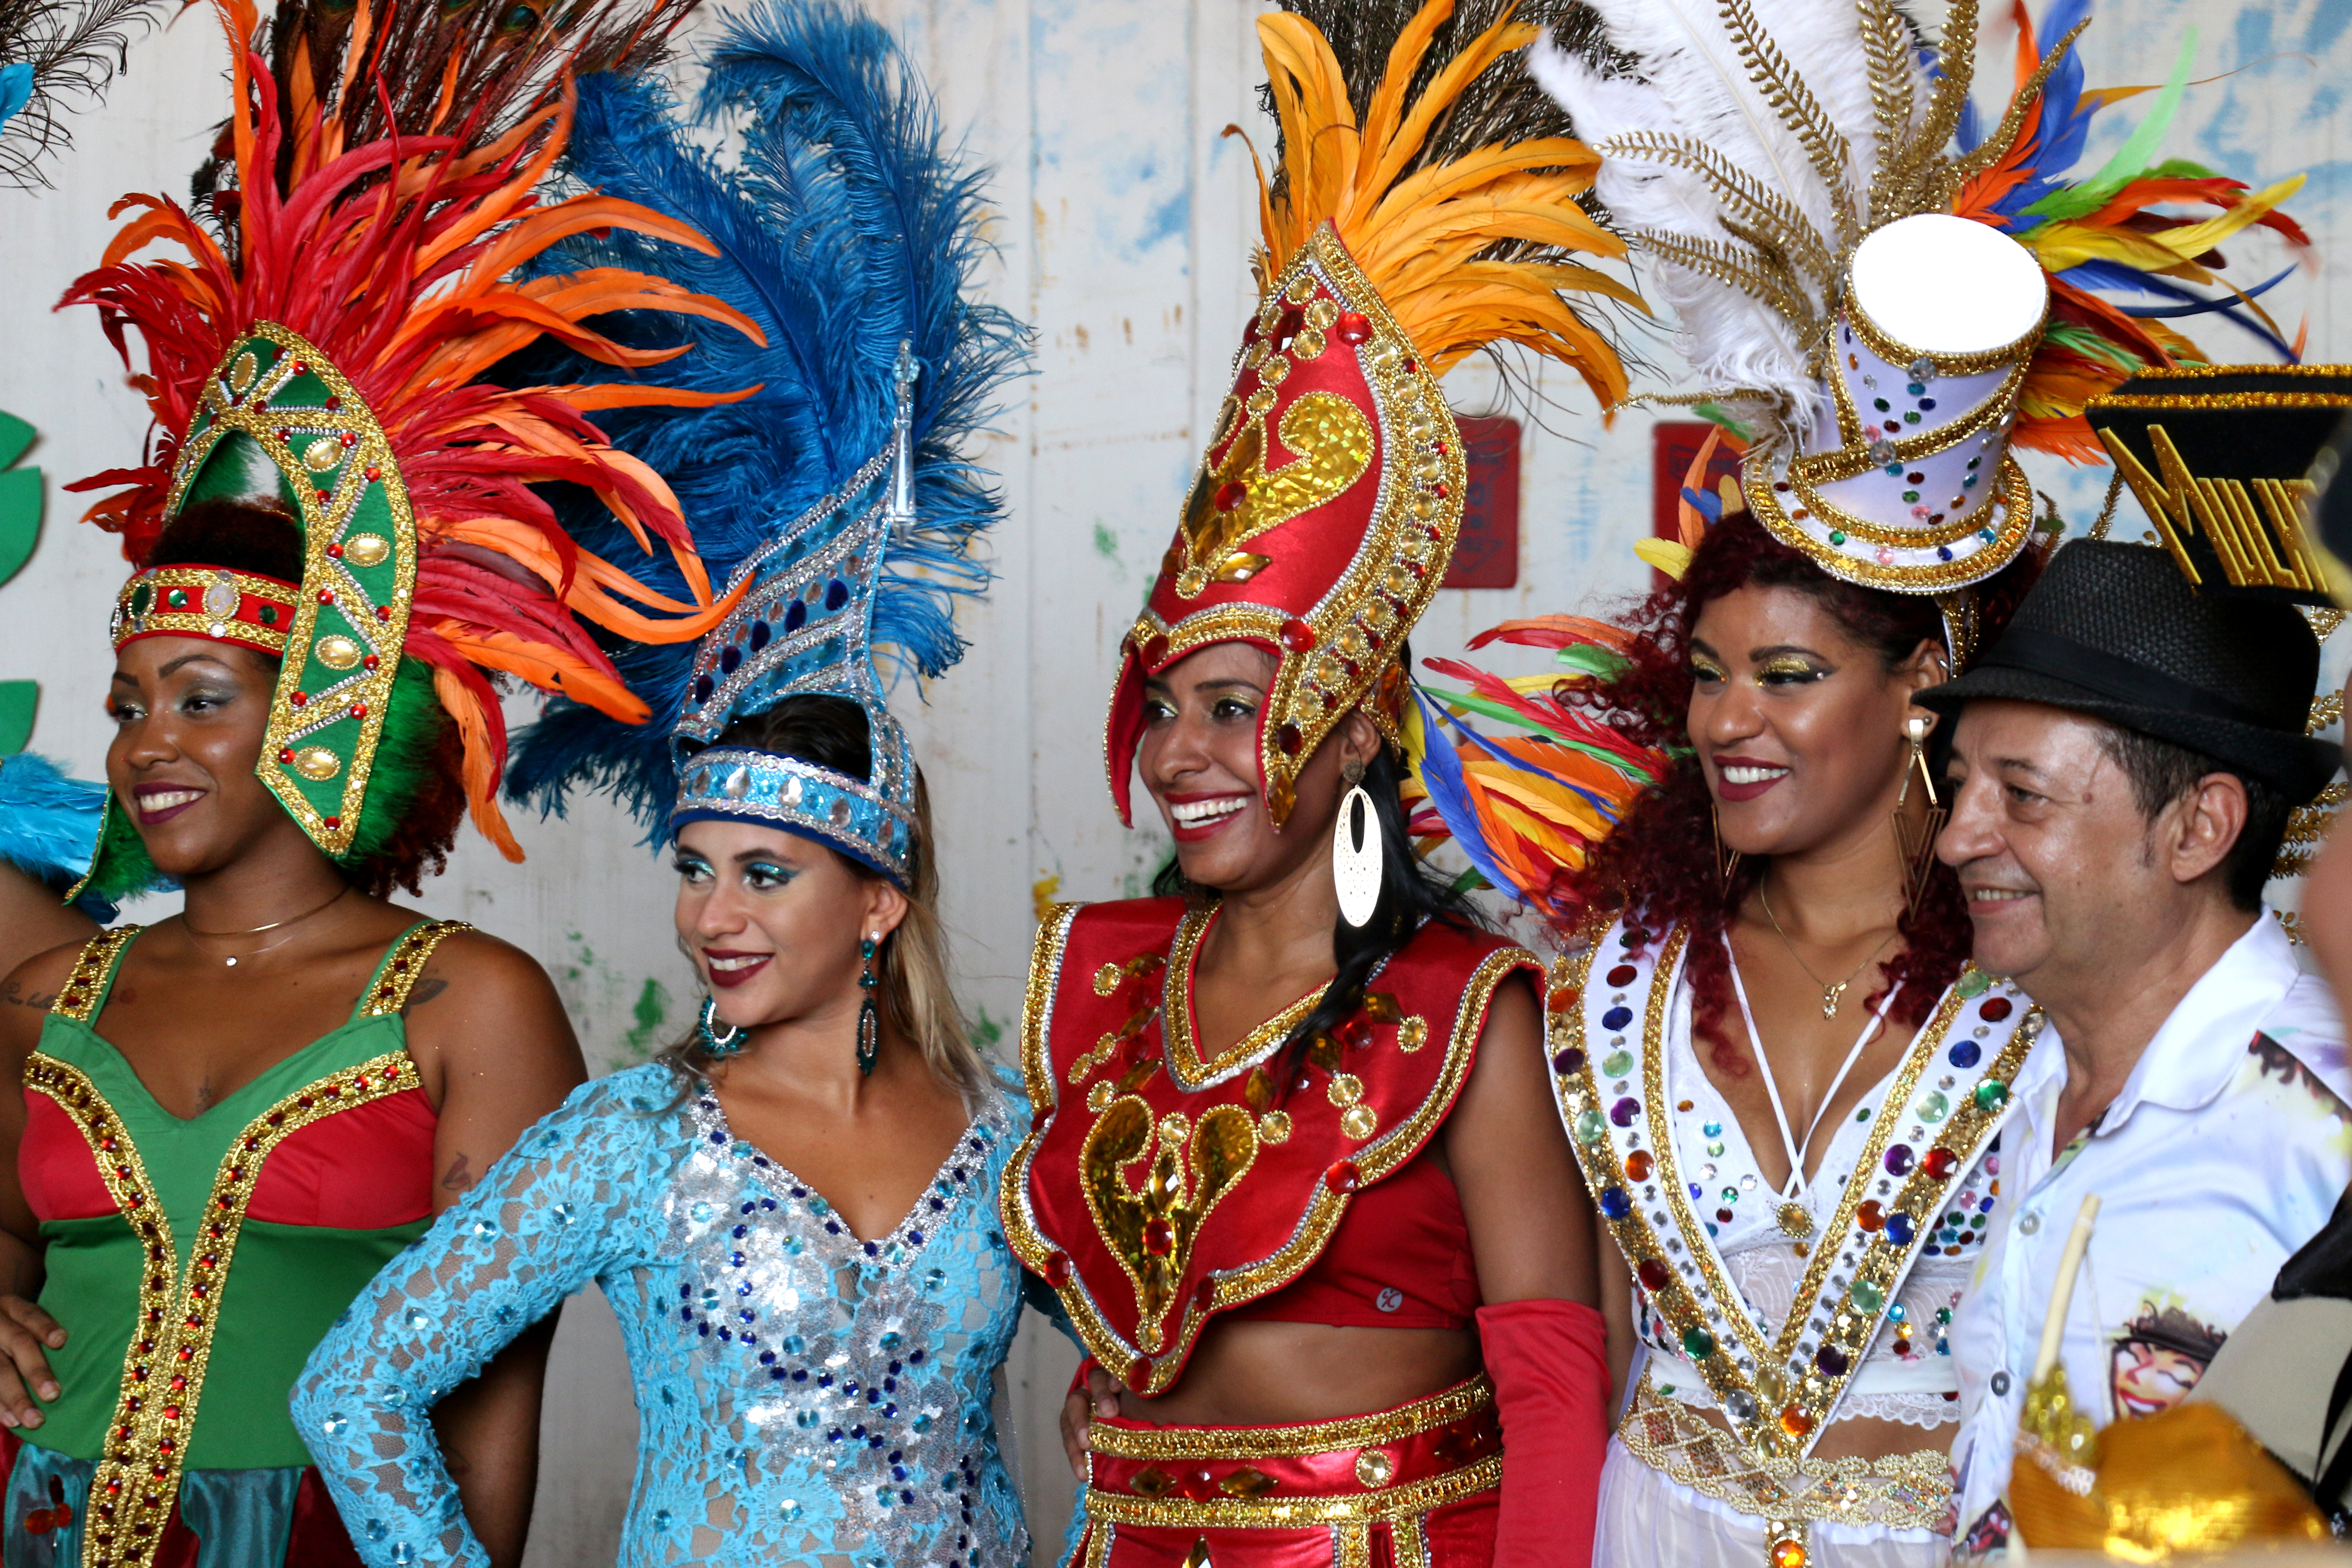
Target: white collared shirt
[2225,1151]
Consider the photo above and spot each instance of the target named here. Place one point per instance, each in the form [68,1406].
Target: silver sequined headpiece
[805,627]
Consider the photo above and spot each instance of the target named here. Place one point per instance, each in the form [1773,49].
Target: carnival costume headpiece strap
[1400,233]
[1883,312]
[323,357]
[833,496]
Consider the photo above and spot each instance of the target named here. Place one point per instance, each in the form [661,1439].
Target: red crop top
[1401,1260]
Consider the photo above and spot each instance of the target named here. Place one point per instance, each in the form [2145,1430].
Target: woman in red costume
[231,1119]
[1295,1178]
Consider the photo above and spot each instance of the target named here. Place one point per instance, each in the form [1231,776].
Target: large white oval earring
[1356,852]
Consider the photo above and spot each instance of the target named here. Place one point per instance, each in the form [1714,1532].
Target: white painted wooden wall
[1122,222]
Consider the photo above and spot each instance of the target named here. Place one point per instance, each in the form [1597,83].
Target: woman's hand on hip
[26,1335]
[1078,1411]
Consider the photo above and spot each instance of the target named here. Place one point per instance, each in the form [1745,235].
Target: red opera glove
[1549,1364]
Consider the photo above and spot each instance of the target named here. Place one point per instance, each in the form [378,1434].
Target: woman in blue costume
[791,1212]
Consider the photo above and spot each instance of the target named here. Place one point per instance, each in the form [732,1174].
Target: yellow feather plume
[1444,244]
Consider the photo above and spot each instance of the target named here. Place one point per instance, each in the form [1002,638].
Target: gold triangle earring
[1726,867]
[1915,844]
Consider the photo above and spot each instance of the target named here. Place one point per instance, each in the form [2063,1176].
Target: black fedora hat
[2114,631]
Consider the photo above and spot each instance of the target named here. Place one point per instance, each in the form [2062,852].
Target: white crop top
[1908,1375]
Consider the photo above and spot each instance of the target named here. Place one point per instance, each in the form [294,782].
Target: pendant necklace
[255,931]
[1795,1217]
[1831,995]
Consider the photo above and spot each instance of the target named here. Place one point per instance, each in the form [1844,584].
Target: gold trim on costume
[341,445]
[1181,1444]
[1232,1287]
[85,988]
[2206,373]
[404,965]
[2232,399]
[1982,361]
[1853,460]
[208,621]
[2013,496]
[1184,1064]
[1787,1425]
[1294,1514]
[1411,1542]
[1899,1491]
[163,1370]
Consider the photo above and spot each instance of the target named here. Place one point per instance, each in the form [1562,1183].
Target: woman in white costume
[1783,1081]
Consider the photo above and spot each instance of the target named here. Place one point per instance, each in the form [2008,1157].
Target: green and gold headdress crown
[345,342]
[276,397]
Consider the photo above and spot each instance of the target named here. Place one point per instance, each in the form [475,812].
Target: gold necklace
[1831,995]
[255,931]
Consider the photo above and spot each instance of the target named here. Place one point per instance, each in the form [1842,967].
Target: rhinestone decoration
[847,1334]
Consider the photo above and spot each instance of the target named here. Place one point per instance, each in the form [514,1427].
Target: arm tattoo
[423,991]
[16,994]
[457,1178]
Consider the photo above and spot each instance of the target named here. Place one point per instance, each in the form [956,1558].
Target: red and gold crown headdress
[323,348]
[1402,231]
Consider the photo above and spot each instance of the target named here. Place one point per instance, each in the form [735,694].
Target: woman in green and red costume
[231,1119]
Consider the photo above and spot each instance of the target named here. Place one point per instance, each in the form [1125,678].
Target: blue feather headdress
[831,496]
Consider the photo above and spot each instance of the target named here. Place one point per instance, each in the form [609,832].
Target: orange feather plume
[1464,251]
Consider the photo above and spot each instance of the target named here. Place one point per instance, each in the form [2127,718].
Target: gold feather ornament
[1879,311]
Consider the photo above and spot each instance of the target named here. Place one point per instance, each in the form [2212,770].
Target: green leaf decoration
[20,498]
[15,437]
[18,699]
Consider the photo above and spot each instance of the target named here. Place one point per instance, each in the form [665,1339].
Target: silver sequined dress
[804,1396]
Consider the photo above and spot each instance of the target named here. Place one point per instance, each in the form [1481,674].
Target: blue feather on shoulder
[49,825]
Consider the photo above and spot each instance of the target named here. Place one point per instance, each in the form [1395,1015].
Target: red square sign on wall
[1487,554]
[1674,446]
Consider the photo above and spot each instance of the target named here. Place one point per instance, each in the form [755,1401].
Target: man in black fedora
[2124,761]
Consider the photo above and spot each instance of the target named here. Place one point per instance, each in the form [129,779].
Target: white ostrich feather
[1745,150]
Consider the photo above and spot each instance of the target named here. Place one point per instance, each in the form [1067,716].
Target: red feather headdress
[390,254]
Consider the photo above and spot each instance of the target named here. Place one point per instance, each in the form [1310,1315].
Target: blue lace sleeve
[561,1208]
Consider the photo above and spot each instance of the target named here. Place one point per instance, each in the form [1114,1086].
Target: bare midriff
[1274,1374]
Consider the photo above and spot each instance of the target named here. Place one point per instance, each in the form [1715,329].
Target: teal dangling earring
[869,1017]
[717,1046]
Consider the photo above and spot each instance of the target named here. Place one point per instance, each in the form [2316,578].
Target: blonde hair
[918,998]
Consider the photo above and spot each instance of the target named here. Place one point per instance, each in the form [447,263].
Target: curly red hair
[1658,868]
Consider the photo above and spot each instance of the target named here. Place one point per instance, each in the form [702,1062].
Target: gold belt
[1348,1474]
[1900,1492]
